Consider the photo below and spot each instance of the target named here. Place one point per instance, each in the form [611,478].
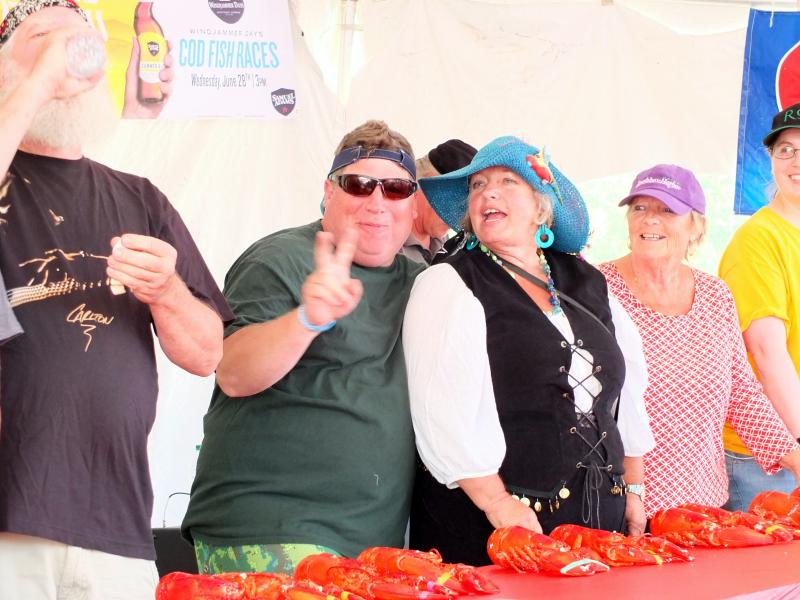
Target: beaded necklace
[551,286]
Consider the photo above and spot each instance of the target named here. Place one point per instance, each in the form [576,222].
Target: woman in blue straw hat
[514,370]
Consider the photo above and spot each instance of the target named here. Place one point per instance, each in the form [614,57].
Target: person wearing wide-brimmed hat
[698,375]
[513,387]
[761,265]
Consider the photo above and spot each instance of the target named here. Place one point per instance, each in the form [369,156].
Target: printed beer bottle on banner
[152,49]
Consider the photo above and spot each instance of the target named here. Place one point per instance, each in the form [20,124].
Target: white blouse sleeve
[457,428]
[633,423]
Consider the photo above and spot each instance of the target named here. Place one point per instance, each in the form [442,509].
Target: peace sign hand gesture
[329,293]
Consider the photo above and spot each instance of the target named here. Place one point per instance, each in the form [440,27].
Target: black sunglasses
[363,185]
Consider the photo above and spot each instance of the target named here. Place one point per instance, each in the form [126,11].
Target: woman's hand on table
[503,510]
[508,511]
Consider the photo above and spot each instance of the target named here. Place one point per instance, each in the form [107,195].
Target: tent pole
[347,26]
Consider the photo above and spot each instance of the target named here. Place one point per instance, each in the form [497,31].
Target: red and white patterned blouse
[698,376]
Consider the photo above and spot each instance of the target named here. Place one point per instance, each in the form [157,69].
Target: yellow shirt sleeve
[751,266]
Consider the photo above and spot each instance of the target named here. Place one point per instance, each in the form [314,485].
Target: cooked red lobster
[688,527]
[777,506]
[462,579]
[378,574]
[619,550]
[522,549]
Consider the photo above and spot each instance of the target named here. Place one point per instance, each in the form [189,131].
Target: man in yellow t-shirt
[761,265]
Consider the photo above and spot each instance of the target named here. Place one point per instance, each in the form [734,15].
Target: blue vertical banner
[770,83]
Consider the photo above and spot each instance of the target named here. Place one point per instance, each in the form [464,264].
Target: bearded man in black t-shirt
[93,260]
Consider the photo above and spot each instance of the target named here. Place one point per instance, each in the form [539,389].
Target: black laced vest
[530,362]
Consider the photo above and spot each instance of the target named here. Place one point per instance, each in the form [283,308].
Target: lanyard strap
[538,282]
[570,300]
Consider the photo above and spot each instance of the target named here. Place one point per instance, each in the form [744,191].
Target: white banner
[231,58]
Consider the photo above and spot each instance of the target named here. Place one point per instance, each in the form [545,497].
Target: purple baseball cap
[675,186]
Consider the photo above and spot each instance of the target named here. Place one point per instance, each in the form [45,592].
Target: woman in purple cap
[698,374]
[762,267]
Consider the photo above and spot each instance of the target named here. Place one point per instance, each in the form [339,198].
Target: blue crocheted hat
[447,194]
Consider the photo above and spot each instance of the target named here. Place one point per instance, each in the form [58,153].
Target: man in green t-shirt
[308,441]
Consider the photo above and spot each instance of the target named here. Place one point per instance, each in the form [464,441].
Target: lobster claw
[353,580]
[740,537]
[316,568]
[571,563]
[668,551]
[330,572]
[414,563]
[777,506]
[428,569]
[473,580]
[400,591]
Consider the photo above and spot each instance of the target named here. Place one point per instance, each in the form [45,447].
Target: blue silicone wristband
[301,316]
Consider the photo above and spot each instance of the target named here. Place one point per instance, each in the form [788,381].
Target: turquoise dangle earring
[472,241]
[544,236]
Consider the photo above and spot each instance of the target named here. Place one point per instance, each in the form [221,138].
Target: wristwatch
[636,488]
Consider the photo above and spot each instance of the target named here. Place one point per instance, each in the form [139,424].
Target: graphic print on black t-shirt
[55,271]
[59,273]
[4,205]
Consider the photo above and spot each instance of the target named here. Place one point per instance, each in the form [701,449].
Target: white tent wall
[591,82]
[608,88]
[620,74]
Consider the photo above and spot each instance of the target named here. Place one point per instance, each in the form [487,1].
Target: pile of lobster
[573,550]
[577,551]
[377,574]
[697,525]
[394,574]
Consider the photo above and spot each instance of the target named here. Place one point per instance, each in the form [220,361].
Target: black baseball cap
[451,155]
[788,118]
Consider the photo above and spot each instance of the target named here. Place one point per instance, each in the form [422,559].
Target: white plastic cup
[86,55]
